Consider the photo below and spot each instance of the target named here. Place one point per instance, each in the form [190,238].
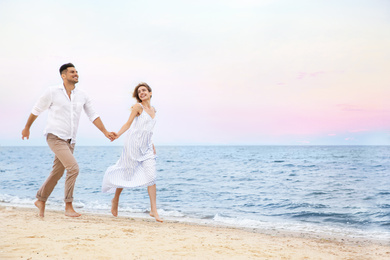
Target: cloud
[359,108]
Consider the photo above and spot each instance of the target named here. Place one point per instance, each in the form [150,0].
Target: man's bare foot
[114,207]
[72,214]
[156,216]
[69,210]
[41,206]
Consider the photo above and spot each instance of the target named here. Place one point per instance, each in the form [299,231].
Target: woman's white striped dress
[137,165]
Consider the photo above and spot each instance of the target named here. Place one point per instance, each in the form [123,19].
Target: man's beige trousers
[63,159]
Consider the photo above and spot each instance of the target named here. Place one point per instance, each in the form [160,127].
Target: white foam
[306,228]
[170,213]
[15,200]
[241,222]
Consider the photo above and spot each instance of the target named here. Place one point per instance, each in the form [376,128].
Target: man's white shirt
[64,113]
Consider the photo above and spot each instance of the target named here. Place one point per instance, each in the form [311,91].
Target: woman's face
[143,93]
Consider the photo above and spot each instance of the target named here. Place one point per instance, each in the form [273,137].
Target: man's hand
[26,130]
[25,133]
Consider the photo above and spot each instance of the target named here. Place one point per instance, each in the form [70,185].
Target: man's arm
[99,124]
[42,104]
[26,130]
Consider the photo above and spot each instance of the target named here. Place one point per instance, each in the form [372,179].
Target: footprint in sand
[128,230]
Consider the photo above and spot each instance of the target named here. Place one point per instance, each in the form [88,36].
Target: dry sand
[26,236]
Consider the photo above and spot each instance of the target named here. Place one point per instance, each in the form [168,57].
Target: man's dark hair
[65,67]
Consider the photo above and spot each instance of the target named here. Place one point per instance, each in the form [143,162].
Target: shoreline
[101,236]
[340,236]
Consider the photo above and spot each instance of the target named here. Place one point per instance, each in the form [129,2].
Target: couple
[136,166]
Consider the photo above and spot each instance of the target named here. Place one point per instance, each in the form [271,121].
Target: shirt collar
[63,88]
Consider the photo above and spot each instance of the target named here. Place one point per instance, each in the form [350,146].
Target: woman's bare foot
[114,207]
[156,216]
[41,206]
[69,211]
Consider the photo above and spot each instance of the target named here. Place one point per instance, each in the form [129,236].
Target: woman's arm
[137,109]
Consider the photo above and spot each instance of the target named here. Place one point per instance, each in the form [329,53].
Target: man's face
[71,75]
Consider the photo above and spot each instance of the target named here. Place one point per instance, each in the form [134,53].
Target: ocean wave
[9,200]
[306,206]
[170,213]
[15,200]
[307,228]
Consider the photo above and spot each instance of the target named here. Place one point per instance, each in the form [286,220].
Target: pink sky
[250,73]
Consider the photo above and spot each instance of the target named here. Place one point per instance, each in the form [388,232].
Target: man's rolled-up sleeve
[43,103]
[89,110]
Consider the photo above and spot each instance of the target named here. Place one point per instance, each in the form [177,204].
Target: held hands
[112,136]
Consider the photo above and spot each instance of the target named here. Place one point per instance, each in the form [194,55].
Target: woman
[137,165]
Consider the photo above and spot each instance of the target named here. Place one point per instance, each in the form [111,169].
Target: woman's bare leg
[153,208]
[115,202]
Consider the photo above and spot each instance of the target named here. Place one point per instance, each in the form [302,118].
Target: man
[65,103]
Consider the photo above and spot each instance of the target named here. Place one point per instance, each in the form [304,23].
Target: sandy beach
[26,236]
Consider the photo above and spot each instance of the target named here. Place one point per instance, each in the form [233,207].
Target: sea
[326,191]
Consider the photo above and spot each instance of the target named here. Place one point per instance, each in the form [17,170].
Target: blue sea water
[339,191]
